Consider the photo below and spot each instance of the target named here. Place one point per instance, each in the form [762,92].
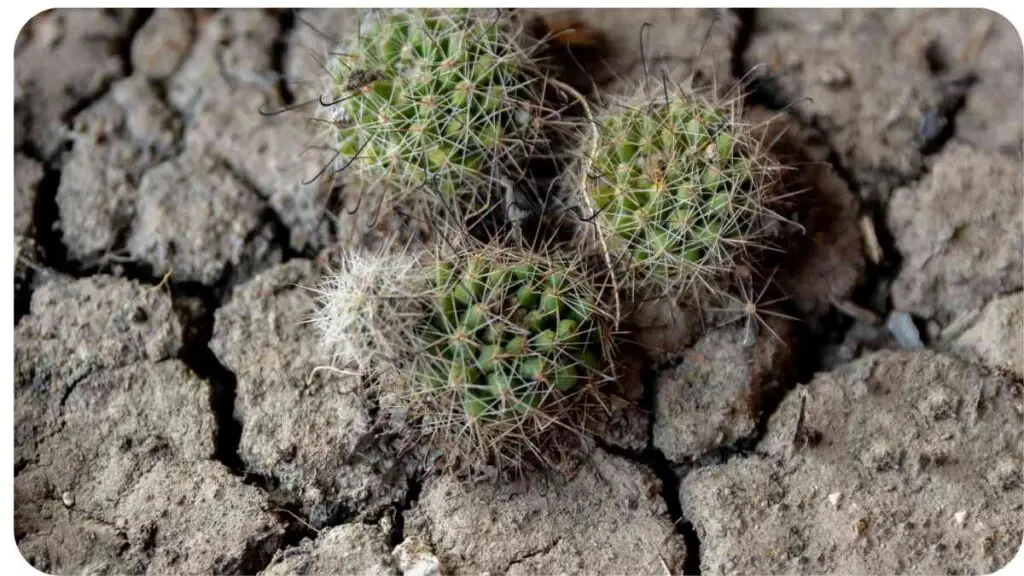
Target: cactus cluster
[491,349]
[442,102]
[678,191]
[496,349]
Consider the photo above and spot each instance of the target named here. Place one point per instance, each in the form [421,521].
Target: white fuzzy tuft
[365,308]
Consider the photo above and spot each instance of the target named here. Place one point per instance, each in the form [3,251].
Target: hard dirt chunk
[277,155]
[900,462]
[863,77]
[714,397]
[82,455]
[985,45]
[99,322]
[606,517]
[664,328]
[280,156]
[62,58]
[115,141]
[961,233]
[231,57]
[996,337]
[199,519]
[197,221]
[310,431]
[347,549]
[26,254]
[163,41]
[317,31]
[78,328]
[112,426]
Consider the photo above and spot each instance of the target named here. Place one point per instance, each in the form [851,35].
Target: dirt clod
[606,517]
[715,396]
[347,549]
[908,439]
[961,233]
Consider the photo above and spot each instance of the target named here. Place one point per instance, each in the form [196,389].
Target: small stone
[834,76]
[68,499]
[834,499]
[902,327]
[414,558]
[960,517]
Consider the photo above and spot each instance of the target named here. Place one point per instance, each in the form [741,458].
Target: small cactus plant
[490,350]
[677,191]
[438,101]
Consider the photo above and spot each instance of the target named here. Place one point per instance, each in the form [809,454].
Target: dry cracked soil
[167,419]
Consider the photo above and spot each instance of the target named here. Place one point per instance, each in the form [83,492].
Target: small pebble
[902,327]
[834,76]
[68,499]
[960,517]
[834,499]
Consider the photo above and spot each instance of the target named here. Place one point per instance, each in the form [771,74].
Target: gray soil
[170,416]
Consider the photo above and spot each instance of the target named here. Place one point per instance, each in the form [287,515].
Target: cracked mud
[167,417]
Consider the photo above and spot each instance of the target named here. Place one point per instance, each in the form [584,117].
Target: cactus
[438,101]
[677,191]
[490,350]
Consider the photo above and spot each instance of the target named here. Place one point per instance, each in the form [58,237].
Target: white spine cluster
[364,308]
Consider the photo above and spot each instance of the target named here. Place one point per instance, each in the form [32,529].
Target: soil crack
[279,52]
[528,555]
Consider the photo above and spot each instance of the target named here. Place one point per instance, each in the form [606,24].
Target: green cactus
[438,101]
[678,191]
[490,350]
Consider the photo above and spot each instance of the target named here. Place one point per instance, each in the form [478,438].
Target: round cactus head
[678,190]
[435,101]
[491,351]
